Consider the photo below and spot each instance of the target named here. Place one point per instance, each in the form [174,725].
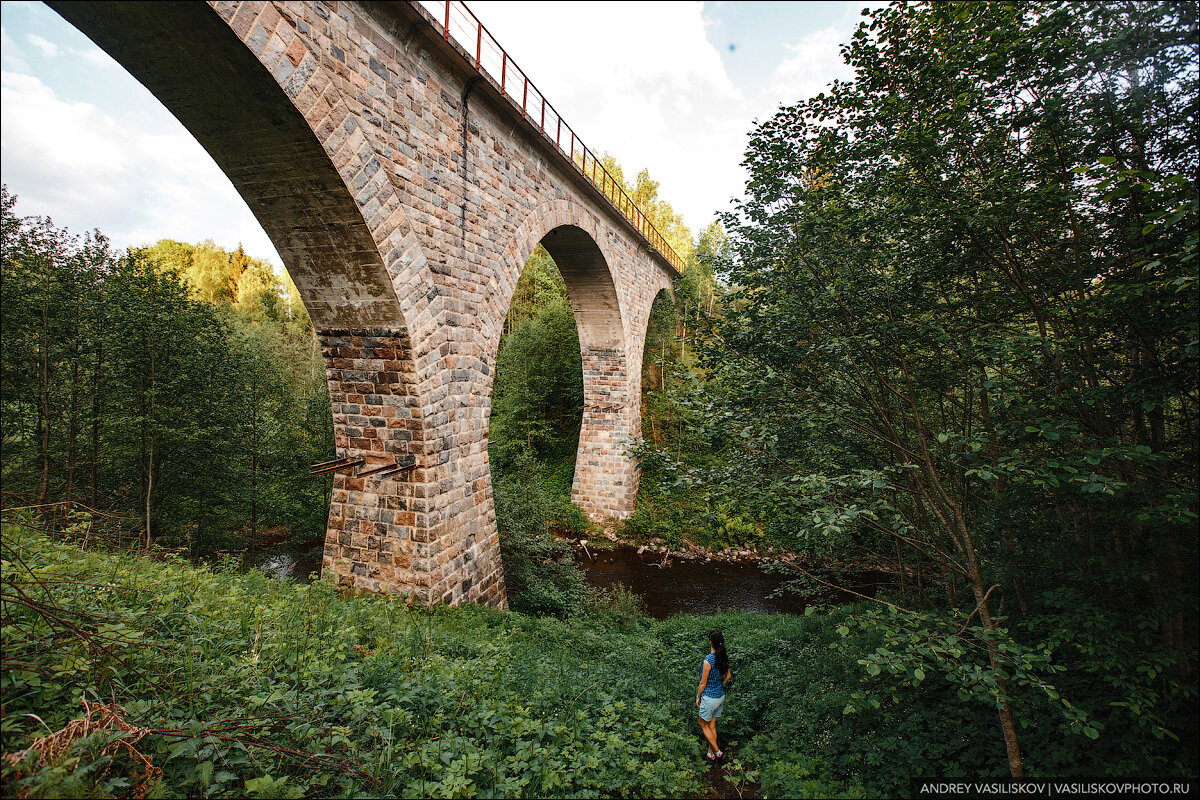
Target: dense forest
[177,384]
[951,330]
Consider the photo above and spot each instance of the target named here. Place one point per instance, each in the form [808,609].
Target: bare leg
[710,733]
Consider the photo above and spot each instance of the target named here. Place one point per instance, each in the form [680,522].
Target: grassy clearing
[161,679]
[128,676]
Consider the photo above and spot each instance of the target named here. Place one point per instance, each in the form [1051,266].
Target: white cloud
[12,52]
[813,64]
[49,49]
[96,56]
[641,81]
[90,170]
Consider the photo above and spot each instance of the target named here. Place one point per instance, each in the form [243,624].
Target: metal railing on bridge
[459,25]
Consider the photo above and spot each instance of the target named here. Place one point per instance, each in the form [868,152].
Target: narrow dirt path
[719,787]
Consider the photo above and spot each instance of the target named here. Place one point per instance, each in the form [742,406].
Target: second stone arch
[606,477]
[611,288]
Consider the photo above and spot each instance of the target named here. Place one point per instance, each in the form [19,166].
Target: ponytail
[718,642]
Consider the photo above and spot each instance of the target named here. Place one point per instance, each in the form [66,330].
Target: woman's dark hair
[718,642]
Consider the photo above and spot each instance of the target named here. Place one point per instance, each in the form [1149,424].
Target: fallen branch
[97,718]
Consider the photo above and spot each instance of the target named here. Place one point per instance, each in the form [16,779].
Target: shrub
[568,521]
[540,571]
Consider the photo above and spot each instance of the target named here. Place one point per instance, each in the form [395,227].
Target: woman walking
[710,695]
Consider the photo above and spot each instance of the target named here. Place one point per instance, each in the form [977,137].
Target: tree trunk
[73,436]
[97,407]
[44,412]
[148,436]
[253,547]
[662,370]
[149,489]
[1011,746]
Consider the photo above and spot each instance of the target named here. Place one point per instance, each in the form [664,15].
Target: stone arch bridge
[405,183]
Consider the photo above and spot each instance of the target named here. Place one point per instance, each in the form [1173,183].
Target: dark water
[694,586]
[291,564]
[684,586]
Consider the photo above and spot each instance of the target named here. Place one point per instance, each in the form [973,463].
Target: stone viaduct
[405,191]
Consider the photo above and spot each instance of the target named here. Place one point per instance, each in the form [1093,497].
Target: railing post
[618,196]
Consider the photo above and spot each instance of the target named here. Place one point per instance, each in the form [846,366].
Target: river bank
[670,582]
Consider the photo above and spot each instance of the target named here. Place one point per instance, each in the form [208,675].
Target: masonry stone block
[404,195]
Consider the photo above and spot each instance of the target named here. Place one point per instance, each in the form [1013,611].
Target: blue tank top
[713,688]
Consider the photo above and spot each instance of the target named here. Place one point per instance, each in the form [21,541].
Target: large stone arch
[270,113]
[405,189]
[267,111]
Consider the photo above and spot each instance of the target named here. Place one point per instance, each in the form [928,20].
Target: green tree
[539,285]
[963,327]
[47,343]
[259,291]
[644,194]
[168,384]
[213,275]
[198,416]
[171,254]
[538,391]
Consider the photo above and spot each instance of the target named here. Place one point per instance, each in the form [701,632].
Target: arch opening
[298,158]
[560,403]
[661,352]
[537,394]
[562,375]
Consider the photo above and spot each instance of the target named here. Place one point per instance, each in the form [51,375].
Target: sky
[672,87]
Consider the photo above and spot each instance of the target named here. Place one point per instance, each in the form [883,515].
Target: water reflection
[291,564]
[694,586]
[681,586]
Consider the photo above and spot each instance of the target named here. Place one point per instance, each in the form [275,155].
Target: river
[696,586]
[681,586]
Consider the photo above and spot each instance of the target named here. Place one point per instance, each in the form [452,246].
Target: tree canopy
[961,332]
[177,383]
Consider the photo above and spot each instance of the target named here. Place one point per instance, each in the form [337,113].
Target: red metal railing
[459,25]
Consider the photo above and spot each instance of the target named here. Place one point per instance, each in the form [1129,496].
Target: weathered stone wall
[445,192]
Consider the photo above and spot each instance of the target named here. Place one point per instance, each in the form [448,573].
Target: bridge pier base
[606,475]
[385,531]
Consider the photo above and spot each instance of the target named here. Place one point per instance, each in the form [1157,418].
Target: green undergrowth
[242,685]
[131,676]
